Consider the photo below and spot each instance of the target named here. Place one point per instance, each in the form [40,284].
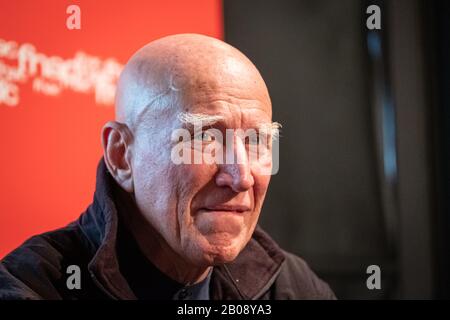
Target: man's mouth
[238,209]
[222,220]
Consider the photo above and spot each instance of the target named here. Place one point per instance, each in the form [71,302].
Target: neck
[154,247]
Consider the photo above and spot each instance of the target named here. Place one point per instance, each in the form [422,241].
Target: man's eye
[204,137]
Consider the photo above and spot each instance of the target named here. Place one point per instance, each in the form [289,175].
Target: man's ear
[117,142]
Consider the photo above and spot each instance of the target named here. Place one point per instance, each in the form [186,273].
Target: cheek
[152,194]
[259,191]
[192,179]
[260,188]
[154,188]
[187,181]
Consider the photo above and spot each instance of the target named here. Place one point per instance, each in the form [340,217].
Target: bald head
[168,72]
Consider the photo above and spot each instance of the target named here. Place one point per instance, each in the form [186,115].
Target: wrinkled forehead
[228,89]
[215,84]
[228,111]
[228,107]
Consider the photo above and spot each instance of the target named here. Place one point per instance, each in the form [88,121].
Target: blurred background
[364,155]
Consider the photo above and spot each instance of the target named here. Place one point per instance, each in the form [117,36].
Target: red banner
[59,62]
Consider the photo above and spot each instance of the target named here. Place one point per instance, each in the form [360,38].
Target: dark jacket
[38,268]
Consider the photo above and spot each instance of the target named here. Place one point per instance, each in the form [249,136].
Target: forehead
[240,103]
[229,88]
[226,86]
[234,112]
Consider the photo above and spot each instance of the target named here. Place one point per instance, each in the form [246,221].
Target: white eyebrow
[201,119]
[196,119]
[271,129]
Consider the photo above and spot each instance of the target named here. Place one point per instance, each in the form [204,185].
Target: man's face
[205,212]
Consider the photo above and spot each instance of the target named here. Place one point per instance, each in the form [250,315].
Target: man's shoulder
[290,278]
[297,280]
[34,269]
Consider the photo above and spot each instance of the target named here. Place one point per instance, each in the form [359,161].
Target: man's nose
[237,175]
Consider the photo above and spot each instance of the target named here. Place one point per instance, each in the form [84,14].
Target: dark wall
[323,204]
[439,53]
[326,203]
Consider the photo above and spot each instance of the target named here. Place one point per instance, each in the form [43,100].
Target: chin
[221,252]
[223,259]
[215,248]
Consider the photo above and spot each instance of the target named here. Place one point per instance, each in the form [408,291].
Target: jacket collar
[247,277]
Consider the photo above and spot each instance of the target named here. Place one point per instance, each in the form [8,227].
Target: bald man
[178,192]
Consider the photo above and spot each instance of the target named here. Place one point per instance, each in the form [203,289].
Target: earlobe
[117,144]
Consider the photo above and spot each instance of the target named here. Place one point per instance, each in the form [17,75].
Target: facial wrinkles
[170,92]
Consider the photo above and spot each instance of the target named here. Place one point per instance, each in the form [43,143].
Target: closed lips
[231,208]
